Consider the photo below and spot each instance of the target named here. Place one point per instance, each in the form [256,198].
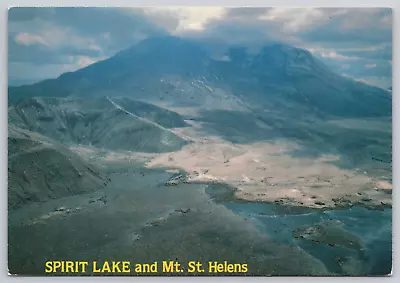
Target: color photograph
[199,141]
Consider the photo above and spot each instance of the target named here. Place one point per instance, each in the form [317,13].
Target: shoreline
[282,184]
[230,196]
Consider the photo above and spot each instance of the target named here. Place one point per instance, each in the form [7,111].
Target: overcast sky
[45,42]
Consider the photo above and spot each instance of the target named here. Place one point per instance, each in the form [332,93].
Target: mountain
[117,123]
[183,72]
[40,169]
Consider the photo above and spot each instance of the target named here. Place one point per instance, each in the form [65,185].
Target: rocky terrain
[40,169]
[118,124]
[183,72]
[277,124]
[170,140]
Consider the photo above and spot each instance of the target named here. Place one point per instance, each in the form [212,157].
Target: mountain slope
[182,72]
[121,124]
[40,169]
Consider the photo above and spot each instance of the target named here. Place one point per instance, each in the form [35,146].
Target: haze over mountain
[245,151]
[242,96]
[186,72]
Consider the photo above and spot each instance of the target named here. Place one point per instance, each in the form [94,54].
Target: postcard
[205,141]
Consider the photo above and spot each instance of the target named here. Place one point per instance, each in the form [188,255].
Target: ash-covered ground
[269,159]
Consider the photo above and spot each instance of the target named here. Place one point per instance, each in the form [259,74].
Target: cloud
[79,25]
[25,14]
[361,36]
[382,82]
[294,19]
[352,27]
[57,38]
[378,52]
[337,56]
[246,13]
[65,39]
[376,72]
[29,39]
[181,19]
[370,66]
[347,39]
[83,61]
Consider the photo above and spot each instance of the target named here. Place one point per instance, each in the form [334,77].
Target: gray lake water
[371,230]
[140,219]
